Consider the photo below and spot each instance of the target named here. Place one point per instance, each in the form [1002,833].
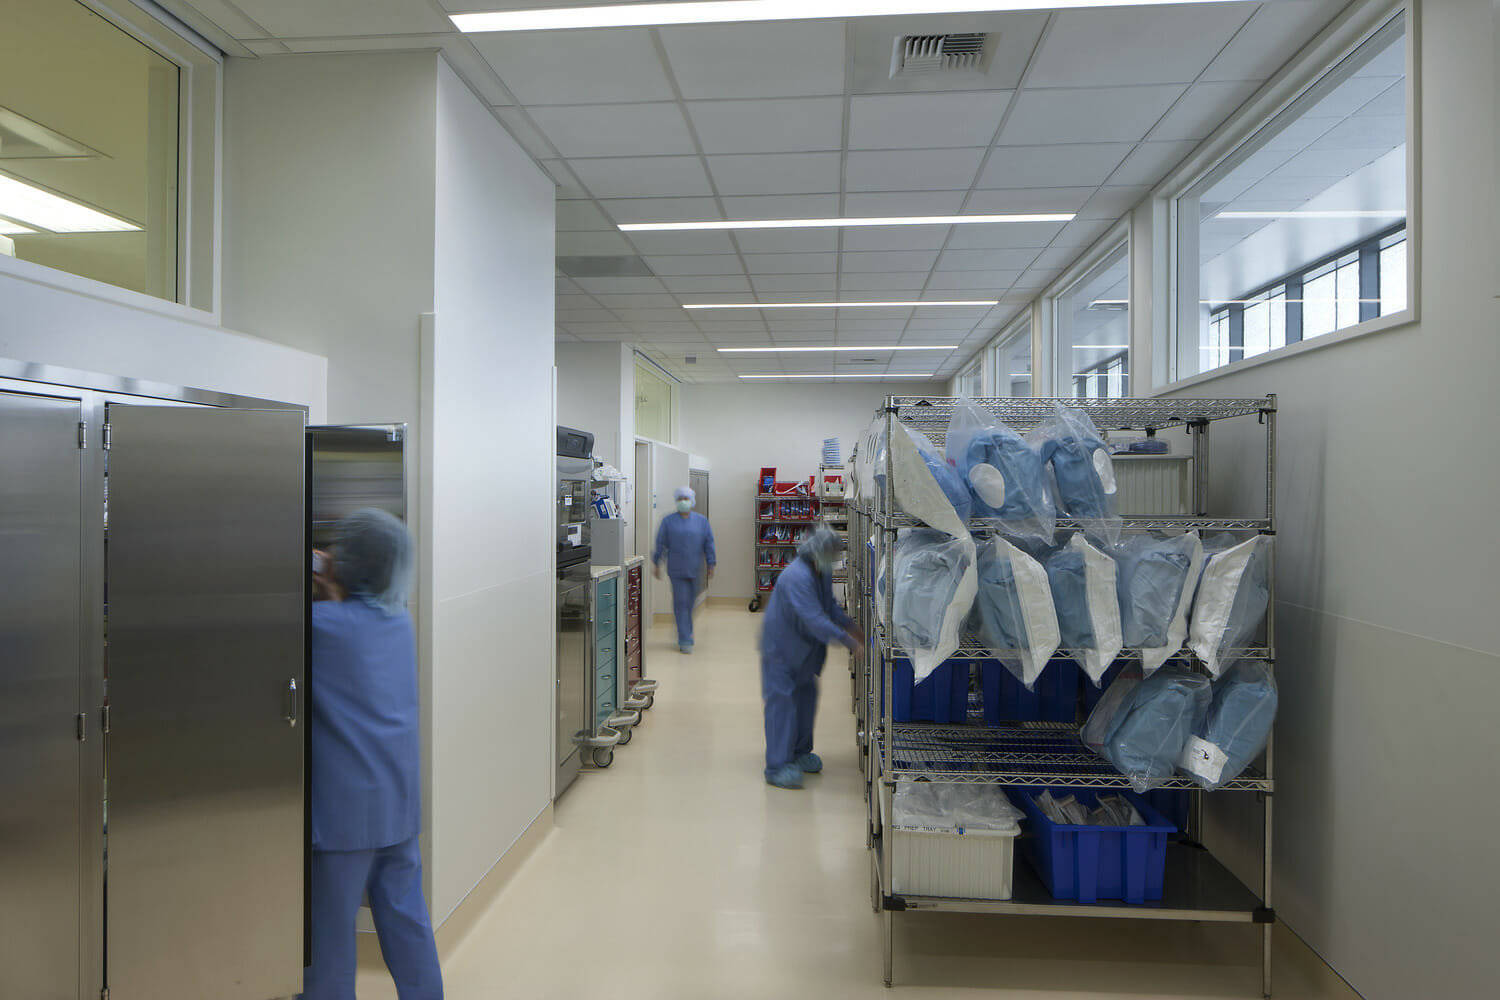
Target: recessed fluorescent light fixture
[641,14]
[902,220]
[837,305]
[1318,214]
[8,228]
[842,375]
[772,350]
[45,210]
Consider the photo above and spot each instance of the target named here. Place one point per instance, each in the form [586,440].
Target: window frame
[1021,327]
[1354,26]
[1044,333]
[199,171]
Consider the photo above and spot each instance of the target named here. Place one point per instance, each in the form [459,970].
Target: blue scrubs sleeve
[801,592]
[661,541]
[708,544]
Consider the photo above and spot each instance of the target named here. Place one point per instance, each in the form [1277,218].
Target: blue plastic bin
[942,696]
[1090,863]
[1054,699]
[1173,803]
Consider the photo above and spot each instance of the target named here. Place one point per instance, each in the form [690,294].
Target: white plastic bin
[974,864]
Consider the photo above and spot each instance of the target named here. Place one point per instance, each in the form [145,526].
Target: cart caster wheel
[624,736]
[603,756]
[650,700]
[754,604]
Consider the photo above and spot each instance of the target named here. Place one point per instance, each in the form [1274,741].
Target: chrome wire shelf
[1030,754]
[1128,523]
[971,647]
[932,413]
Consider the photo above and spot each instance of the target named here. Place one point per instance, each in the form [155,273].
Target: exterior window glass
[1092,331]
[1010,360]
[1310,204]
[88,147]
[971,382]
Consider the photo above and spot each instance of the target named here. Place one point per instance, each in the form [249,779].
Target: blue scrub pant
[790,693]
[393,878]
[684,593]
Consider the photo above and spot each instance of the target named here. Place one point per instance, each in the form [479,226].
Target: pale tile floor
[678,873]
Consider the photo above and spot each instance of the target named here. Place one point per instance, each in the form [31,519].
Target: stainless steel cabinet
[41,698]
[207,599]
[573,710]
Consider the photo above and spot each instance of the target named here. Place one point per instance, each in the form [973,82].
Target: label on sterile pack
[1105,468]
[1203,759]
[989,483]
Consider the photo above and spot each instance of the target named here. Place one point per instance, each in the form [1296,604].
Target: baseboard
[466,914]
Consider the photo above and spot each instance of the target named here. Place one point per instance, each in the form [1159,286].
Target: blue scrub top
[366,744]
[687,542]
[802,618]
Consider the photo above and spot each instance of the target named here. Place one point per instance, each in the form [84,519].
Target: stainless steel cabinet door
[40,756]
[207,576]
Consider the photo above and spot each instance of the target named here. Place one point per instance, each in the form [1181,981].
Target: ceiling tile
[977,281]
[588,244]
[1082,232]
[1096,48]
[786,59]
[890,203]
[1150,162]
[885,261]
[616,129]
[1382,132]
[787,240]
[587,66]
[1004,237]
[824,284]
[804,327]
[626,300]
[721,328]
[623,210]
[650,317]
[782,206]
[676,264]
[683,338]
[580,217]
[986,260]
[794,125]
[1113,202]
[678,243]
[299,19]
[934,323]
[621,285]
[230,19]
[708,283]
[566,316]
[912,170]
[643,177]
[586,329]
[899,237]
[1064,166]
[1053,260]
[790,263]
[567,184]
[1202,109]
[923,121]
[525,133]
[1274,34]
[874,281]
[775,173]
[266,46]
[1080,115]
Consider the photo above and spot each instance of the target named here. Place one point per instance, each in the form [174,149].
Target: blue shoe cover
[811,763]
[786,776]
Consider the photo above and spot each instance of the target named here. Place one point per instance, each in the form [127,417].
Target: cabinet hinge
[108,437]
[104,719]
[83,721]
[83,434]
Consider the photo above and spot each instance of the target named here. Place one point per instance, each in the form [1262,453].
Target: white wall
[1389,659]
[491,512]
[740,428]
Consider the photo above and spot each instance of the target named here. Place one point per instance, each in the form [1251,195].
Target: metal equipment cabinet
[607,728]
[1033,755]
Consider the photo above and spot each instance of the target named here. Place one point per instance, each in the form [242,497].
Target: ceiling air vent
[925,55]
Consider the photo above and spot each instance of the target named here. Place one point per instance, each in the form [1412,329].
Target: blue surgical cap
[822,546]
[684,493]
[373,553]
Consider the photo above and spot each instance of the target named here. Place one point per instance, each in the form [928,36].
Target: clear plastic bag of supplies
[1111,810]
[924,484]
[1233,594]
[1235,729]
[1082,470]
[1086,596]
[1152,726]
[1005,476]
[936,805]
[932,575]
[1102,719]
[1013,611]
[1154,583]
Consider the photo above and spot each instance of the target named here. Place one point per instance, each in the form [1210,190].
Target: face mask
[684,505]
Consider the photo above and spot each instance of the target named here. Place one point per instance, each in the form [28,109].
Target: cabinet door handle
[291,702]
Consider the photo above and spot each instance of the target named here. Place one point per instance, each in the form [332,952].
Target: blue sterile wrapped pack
[1233,594]
[1082,469]
[947,476]
[1085,594]
[932,574]
[924,485]
[1013,609]
[1155,587]
[1152,725]
[1236,727]
[1005,476]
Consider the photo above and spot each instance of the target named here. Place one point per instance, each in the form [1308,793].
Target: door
[207,581]
[40,694]
[698,482]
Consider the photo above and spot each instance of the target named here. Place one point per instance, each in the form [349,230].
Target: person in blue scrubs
[688,543]
[802,618]
[366,764]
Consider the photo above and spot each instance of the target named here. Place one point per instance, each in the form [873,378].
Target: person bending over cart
[366,763]
[688,542]
[802,618]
